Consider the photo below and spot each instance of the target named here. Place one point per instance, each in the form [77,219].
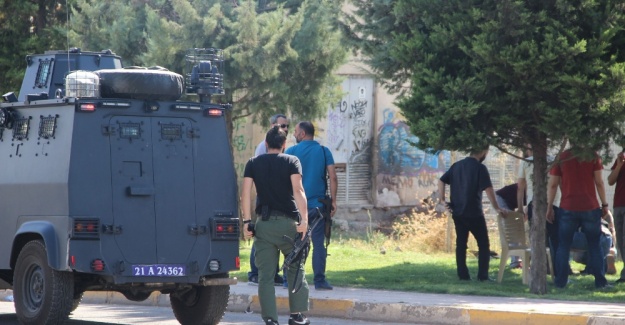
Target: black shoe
[621,280]
[270,321]
[605,287]
[253,280]
[323,286]
[298,319]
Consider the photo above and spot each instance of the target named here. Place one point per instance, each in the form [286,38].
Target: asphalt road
[93,314]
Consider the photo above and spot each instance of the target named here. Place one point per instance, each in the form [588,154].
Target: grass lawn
[360,263]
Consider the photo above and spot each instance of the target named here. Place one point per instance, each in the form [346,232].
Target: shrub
[425,229]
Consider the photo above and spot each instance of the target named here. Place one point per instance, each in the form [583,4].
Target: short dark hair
[274,119]
[479,148]
[307,127]
[275,138]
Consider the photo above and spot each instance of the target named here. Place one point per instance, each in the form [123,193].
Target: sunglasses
[283,126]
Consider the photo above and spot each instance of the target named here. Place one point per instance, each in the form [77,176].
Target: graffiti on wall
[348,132]
[406,174]
[349,135]
[242,145]
[360,132]
[337,122]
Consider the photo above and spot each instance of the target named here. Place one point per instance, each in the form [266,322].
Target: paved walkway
[410,307]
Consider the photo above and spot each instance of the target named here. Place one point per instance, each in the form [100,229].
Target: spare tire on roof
[137,83]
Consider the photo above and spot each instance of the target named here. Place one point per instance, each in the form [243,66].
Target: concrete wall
[365,129]
[368,138]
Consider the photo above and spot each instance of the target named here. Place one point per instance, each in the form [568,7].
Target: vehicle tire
[136,296]
[200,305]
[140,84]
[76,300]
[41,295]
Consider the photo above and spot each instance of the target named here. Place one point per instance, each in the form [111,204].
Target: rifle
[301,247]
[327,216]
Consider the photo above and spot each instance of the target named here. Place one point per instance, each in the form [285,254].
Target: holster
[326,214]
[264,212]
[327,204]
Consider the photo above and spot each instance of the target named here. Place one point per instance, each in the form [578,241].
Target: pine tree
[504,73]
[26,27]
[278,59]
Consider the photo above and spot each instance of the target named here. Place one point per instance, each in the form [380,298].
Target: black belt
[279,215]
[276,213]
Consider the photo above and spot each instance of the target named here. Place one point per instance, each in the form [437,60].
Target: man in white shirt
[283,123]
[279,120]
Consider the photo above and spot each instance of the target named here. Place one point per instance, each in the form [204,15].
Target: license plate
[159,270]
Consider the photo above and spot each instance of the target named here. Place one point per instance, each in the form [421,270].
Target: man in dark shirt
[507,197]
[282,205]
[467,179]
[507,200]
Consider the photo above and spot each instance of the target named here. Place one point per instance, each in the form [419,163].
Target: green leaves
[511,68]
[279,59]
[502,72]
[27,27]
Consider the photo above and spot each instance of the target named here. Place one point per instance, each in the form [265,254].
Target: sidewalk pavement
[409,307]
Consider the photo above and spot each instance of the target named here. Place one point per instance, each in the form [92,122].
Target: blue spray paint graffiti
[397,156]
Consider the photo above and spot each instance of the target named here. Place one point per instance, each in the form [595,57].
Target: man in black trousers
[467,179]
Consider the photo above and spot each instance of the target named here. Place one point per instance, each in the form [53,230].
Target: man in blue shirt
[317,162]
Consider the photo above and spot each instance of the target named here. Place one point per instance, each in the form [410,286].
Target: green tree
[26,27]
[504,73]
[115,25]
[277,60]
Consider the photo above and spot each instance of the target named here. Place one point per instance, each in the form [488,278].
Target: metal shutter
[354,184]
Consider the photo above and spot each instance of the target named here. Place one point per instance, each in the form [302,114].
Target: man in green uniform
[281,207]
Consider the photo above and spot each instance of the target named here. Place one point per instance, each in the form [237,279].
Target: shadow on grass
[441,278]
[436,273]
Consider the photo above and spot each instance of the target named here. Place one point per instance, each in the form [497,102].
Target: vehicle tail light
[214,112]
[86,228]
[237,262]
[97,265]
[87,107]
[225,228]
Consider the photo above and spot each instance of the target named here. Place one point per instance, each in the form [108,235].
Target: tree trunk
[41,18]
[538,266]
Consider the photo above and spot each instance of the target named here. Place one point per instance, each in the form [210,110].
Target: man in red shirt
[618,178]
[578,180]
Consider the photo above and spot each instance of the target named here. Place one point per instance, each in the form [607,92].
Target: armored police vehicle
[109,182]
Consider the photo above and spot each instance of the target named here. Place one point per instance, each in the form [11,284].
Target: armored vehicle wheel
[200,305]
[41,295]
[136,296]
[76,301]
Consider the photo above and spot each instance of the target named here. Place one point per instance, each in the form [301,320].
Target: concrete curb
[410,313]
[382,312]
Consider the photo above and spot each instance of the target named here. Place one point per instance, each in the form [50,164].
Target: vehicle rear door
[153,188]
